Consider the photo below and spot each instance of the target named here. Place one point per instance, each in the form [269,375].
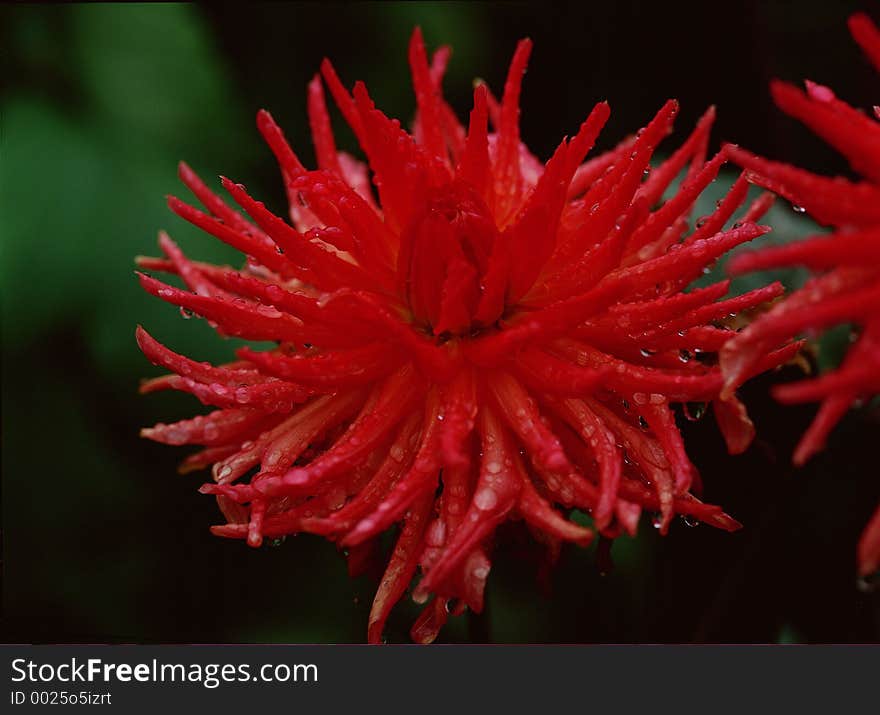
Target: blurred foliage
[101,541]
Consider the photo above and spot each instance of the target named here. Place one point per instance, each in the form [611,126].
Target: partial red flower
[487,338]
[846,264]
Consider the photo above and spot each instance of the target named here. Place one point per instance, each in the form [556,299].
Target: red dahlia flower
[490,339]
[846,287]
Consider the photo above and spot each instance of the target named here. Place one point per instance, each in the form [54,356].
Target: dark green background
[102,541]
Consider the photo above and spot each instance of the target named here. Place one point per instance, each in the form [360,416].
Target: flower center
[445,256]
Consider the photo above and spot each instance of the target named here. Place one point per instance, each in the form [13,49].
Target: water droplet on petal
[485,499]
[336,498]
[436,534]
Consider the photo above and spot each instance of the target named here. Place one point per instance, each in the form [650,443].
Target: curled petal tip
[729,523]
